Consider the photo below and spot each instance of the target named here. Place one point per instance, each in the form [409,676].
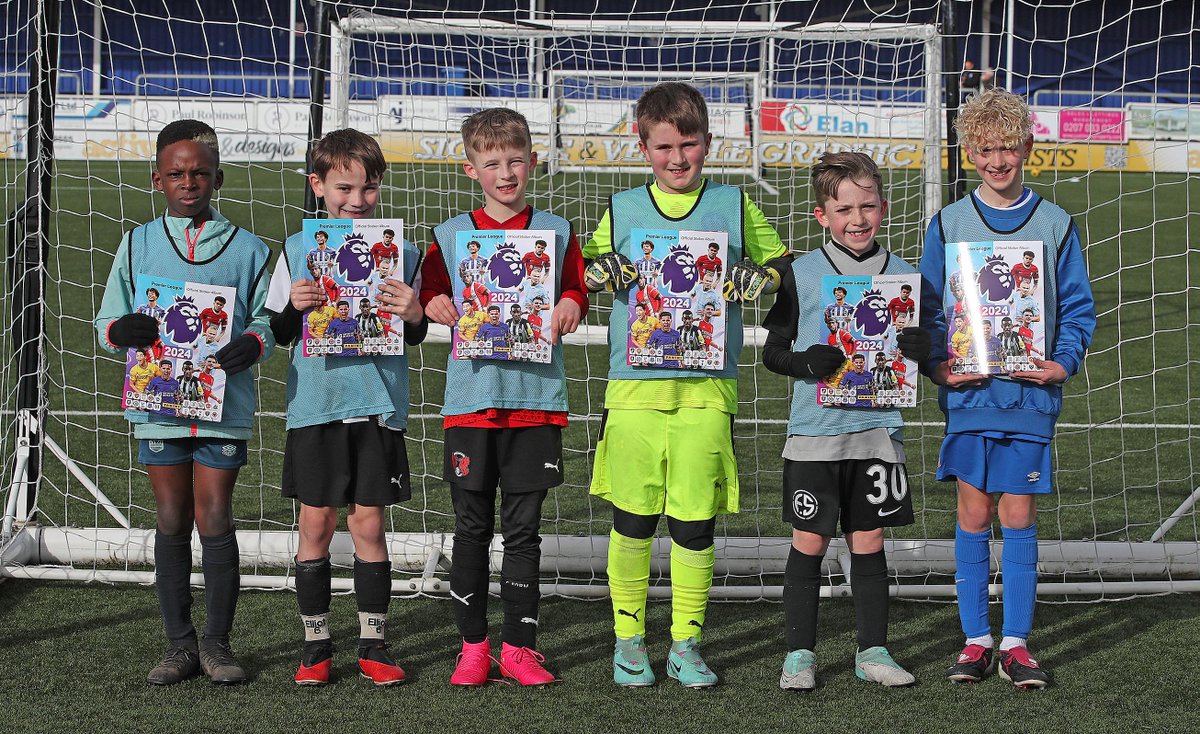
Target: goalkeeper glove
[611,271]
[914,343]
[133,330]
[746,281]
[239,354]
[819,360]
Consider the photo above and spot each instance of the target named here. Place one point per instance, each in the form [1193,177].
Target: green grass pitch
[1126,457]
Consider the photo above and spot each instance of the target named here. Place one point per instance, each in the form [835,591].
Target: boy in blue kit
[346,422]
[503,420]
[839,463]
[998,428]
[646,460]
[192,466]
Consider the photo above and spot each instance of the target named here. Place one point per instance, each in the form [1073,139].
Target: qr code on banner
[1114,156]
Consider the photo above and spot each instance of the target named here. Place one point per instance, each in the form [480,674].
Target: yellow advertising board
[789,151]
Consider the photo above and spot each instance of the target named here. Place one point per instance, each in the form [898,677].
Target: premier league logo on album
[504,267]
[679,272]
[182,320]
[995,279]
[871,314]
[354,262]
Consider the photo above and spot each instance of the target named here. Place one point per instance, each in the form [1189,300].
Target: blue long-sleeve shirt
[1001,404]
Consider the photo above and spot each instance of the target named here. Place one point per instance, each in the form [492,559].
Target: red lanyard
[191,241]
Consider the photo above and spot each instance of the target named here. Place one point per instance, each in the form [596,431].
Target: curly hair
[994,115]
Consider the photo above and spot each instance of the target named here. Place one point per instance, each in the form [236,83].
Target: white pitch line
[755,421]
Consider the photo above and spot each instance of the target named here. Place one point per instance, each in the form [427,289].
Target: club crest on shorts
[804,505]
[228,449]
[155,446]
[461,463]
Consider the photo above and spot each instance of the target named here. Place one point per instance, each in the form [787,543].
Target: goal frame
[31,551]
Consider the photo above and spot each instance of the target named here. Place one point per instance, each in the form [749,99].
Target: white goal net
[783,85]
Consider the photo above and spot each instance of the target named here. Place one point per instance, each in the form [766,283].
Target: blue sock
[1018,569]
[971,580]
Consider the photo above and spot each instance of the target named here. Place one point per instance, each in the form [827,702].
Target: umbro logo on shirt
[1033,476]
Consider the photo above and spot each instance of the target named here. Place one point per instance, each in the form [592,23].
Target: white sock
[1009,643]
[372,625]
[983,641]
[316,627]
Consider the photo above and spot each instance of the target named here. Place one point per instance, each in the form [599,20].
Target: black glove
[239,354]
[611,271]
[820,360]
[745,281]
[914,343]
[133,330]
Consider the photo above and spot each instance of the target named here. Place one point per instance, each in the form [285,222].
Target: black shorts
[864,494]
[340,464]
[516,459]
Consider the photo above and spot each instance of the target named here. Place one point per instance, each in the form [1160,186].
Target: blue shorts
[992,465]
[215,453]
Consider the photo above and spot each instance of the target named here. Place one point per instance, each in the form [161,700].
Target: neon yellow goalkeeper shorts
[675,461]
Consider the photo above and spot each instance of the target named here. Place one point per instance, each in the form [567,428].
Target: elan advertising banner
[603,133]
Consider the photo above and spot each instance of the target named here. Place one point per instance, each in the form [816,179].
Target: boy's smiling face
[347,191]
[503,174]
[677,160]
[1000,168]
[853,216]
[188,175]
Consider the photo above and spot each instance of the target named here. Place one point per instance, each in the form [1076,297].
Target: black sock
[520,597]
[869,582]
[373,591]
[313,594]
[222,581]
[172,582]
[801,592]
[469,574]
[520,517]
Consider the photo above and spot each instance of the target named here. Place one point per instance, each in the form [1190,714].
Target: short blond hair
[677,103]
[496,128]
[994,115]
[833,169]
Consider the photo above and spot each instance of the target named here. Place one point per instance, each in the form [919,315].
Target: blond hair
[496,128]
[994,115]
[676,103]
[833,169]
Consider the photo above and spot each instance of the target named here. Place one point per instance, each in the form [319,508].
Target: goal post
[1122,521]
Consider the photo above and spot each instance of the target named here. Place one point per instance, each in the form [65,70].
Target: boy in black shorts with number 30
[839,463]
